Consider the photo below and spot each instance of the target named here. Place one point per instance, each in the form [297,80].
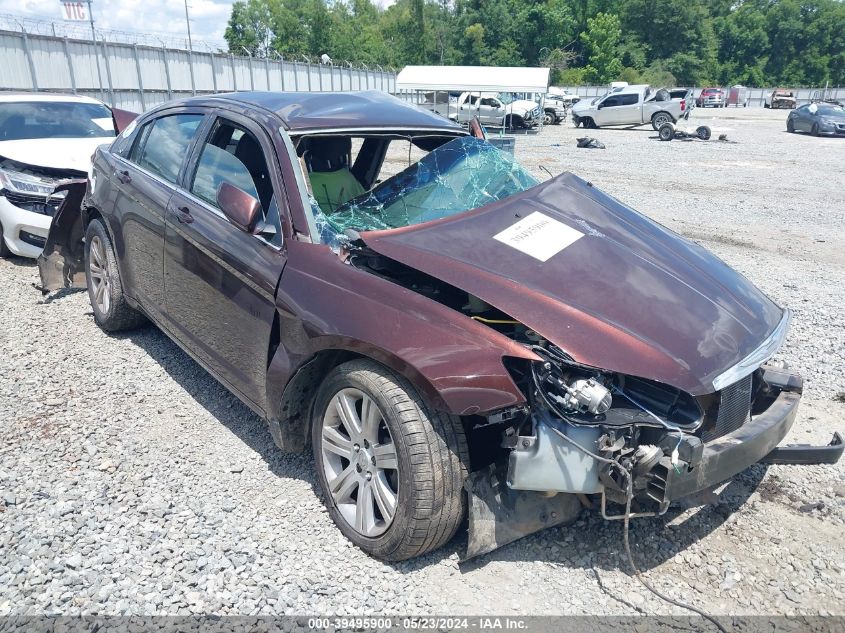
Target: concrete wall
[138,77]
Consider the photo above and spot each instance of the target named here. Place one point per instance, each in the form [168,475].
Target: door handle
[123,176]
[184,215]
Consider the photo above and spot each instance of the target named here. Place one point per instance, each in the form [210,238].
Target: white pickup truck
[487,106]
[631,105]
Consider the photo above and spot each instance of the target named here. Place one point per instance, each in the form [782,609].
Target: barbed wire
[82,31]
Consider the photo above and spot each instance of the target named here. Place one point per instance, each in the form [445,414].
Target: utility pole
[190,50]
[188,22]
[96,54]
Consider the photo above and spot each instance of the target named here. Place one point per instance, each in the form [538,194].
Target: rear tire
[659,119]
[815,129]
[404,456]
[790,126]
[105,288]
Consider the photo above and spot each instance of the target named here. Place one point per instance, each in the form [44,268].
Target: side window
[628,99]
[233,155]
[487,101]
[164,142]
[610,102]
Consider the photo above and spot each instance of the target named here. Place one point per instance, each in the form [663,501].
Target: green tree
[601,47]
[250,27]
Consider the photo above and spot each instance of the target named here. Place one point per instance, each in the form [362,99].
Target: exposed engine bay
[584,432]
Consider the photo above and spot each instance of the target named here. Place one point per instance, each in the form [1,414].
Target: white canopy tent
[474,78]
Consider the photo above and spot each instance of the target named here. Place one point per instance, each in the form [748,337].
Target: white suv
[43,139]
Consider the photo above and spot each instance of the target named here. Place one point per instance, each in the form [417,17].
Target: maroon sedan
[455,338]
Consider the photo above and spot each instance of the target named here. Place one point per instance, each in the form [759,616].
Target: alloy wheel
[360,462]
[98,269]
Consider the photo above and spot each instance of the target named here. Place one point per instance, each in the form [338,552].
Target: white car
[43,139]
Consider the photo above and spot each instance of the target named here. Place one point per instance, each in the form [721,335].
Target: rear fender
[61,263]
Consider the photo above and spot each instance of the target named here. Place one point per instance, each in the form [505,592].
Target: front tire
[105,288]
[391,468]
[790,126]
[815,129]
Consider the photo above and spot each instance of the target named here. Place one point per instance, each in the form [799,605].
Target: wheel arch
[290,421]
[667,113]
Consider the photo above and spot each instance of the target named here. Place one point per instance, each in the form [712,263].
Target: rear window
[164,144]
[21,120]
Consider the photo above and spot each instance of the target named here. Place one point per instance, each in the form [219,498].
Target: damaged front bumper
[547,481]
[60,264]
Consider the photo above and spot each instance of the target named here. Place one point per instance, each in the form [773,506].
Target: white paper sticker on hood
[539,236]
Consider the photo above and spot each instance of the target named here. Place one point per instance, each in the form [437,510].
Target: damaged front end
[631,445]
[61,264]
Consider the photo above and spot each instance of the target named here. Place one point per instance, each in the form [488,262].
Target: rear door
[144,180]
[220,281]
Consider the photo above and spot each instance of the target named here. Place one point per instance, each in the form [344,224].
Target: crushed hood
[607,285]
[54,153]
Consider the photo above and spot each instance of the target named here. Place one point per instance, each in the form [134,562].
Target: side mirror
[242,209]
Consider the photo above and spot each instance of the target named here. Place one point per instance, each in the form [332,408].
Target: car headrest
[327,153]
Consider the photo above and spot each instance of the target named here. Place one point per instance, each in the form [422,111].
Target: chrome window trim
[764,352]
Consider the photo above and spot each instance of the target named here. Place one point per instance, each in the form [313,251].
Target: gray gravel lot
[133,483]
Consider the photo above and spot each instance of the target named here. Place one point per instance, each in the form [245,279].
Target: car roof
[11,97]
[330,111]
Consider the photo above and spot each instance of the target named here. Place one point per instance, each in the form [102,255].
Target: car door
[492,111]
[628,110]
[219,280]
[605,111]
[143,182]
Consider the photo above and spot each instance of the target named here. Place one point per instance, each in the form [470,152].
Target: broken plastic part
[462,174]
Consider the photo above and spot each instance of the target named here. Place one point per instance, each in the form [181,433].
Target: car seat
[332,183]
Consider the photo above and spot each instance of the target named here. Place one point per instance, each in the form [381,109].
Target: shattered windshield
[463,174]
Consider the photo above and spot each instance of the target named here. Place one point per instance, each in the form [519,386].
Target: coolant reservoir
[550,463]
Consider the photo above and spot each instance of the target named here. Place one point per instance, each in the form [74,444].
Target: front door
[220,281]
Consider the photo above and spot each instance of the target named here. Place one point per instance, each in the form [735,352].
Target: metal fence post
[295,76]
[140,80]
[213,72]
[320,71]
[234,73]
[166,71]
[251,73]
[69,65]
[267,71]
[191,69]
[30,62]
[108,72]
[282,66]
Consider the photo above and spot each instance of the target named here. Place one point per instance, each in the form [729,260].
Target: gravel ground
[133,483]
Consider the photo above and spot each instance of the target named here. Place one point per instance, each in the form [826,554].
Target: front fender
[325,304]
[60,264]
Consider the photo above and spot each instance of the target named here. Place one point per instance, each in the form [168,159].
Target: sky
[156,17]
